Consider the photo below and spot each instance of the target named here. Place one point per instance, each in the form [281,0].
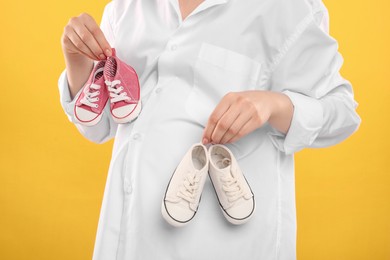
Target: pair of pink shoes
[113,80]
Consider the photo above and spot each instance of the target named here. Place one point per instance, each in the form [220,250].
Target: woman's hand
[240,113]
[82,42]
[83,36]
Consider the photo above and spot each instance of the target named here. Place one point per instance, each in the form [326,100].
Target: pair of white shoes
[183,193]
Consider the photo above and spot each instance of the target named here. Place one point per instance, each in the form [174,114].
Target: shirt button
[128,188]
[174,47]
[158,90]
[136,136]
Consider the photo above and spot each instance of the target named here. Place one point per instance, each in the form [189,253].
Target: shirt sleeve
[106,128]
[308,73]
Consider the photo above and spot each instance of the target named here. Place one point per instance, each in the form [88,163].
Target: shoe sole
[169,219]
[89,123]
[235,221]
[133,115]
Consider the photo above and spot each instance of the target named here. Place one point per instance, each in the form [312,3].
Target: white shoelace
[91,97]
[230,185]
[116,91]
[188,190]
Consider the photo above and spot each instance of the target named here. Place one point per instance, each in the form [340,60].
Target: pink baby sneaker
[93,98]
[123,88]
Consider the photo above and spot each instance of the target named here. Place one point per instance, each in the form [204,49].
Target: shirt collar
[202,6]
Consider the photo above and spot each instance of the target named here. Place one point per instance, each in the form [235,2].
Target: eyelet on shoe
[97,99]
[96,106]
[98,92]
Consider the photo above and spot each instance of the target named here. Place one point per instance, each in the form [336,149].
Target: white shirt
[185,68]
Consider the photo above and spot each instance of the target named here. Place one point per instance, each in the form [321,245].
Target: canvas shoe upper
[233,192]
[183,193]
[124,90]
[90,104]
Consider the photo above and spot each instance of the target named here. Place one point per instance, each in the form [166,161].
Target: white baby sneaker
[183,193]
[233,192]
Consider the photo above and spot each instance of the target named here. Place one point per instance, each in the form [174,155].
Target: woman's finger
[74,49]
[247,128]
[88,39]
[79,45]
[97,34]
[215,116]
[225,123]
[236,126]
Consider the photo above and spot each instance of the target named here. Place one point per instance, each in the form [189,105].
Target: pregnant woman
[259,76]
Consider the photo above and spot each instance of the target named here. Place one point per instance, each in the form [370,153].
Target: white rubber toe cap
[241,212]
[126,113]
[123,111]
[175,214]
[86,117]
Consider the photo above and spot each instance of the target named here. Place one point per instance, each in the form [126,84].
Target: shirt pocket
[218,71]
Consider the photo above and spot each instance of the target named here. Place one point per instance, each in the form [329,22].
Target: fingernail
[205,141]
[108,52]
[102,56]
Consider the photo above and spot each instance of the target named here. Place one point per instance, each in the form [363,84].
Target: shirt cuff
[67,102]
[305,126]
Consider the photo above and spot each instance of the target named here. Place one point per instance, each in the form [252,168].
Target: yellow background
[52,179]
